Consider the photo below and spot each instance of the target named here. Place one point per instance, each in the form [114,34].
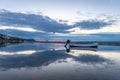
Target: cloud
[107,29]
[27,29]
[35,21]
[91,24]
[29,25]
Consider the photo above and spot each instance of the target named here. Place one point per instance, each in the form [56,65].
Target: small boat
[88,45]
[81,45]
[85,46]
[80,49]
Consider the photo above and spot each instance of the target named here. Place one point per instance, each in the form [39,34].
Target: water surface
[46,61]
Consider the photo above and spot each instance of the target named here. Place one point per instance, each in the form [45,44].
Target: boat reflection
[69,49]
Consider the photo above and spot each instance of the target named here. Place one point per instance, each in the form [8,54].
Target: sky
[81,16]
[63,9]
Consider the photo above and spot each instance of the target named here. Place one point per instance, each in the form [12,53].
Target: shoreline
[107,43]
[116,43]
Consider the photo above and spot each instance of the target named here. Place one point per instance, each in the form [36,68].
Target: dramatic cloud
[38,26]
[35,21]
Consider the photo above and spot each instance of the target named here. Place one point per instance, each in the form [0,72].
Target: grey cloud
[43,23]
[92,24]
[39,22]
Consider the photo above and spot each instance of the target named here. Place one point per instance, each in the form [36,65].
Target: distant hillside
[7,38]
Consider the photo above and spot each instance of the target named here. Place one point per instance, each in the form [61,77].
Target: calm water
[37,61]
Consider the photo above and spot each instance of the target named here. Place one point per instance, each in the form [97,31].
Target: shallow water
[37,61]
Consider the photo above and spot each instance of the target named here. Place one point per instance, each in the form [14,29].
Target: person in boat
[67,42]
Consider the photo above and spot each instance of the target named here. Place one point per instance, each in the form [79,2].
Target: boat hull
[84,45]
[95,46]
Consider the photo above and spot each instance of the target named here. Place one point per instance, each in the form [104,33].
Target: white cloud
[27,29]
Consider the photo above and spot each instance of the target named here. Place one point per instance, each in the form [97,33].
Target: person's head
[68,41]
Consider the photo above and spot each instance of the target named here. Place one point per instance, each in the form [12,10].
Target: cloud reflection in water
[34,57]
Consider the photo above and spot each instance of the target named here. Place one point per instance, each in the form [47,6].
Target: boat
[87,45]
[81,45]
